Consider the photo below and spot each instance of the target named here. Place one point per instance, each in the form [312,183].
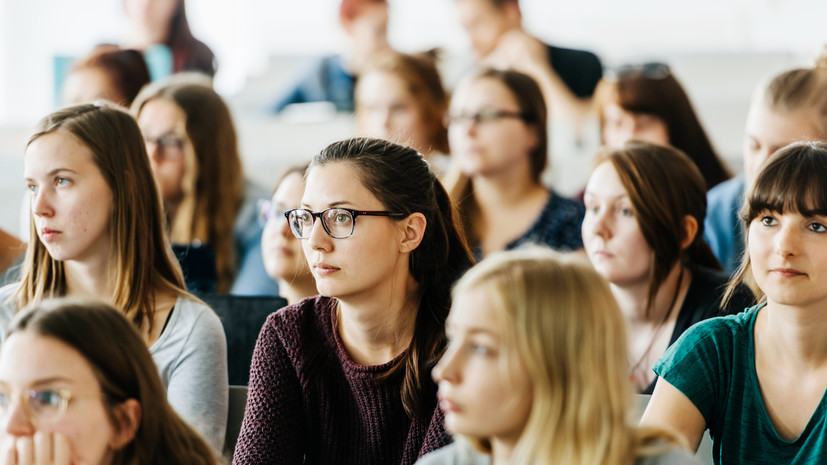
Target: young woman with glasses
[345,377]
[643,231]
[497,130]
[78,386]
[536,373]
[193,147]
[646,102]
[757,380]
[282,252]
[97,230]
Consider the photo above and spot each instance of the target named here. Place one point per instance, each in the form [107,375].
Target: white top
[191,356]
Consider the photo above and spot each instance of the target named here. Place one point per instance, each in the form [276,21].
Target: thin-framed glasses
[485,115]
[169,145]
[651,70]
[269,211]
[337,222]
[41,405]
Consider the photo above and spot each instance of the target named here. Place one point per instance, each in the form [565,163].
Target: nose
[446,368]
[41,204]
[16,420]
[319,239]
[599,223]
[786,240]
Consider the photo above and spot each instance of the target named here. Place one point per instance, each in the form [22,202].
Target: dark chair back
[242,317]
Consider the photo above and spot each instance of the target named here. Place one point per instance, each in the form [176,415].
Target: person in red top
[345,377]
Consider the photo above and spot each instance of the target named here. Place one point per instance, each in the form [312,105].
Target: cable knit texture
[309,402]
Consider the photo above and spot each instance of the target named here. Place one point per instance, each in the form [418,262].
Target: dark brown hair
[422,79]
[126,69]
[663,186]
[141,254]
[401,179]
[188,53]
[791,180]
[662,96]
[218,190]
[529,97]
[125,370]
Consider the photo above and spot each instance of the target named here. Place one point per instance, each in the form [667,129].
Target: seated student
[643,232]
[77,385]
[400,98]
[536,374]
[332,79]
[791,107]
[107,73]
[567,77]
[646,102]
[757,380]
[345,377]
[97,230]
[497,129]
[165,23]
[193,148]
[282,252]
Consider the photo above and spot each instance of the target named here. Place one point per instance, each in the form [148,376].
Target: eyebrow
[619,196]
[54,172]
[43,381]
[338,203]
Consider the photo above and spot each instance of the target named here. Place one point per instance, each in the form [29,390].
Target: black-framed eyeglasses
[485,116]
[651,70]
[338,222]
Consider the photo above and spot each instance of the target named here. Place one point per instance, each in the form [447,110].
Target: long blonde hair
[570,335]
[143,261]
[215,189]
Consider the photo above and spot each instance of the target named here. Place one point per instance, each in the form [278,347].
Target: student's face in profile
[621,126]
[281,251]
[611,234]
[483,22]
[484,387]
[82,433]
[486,136]
[387,110]
[767,131]
[89,84]
[359,266]
[71,202]
[164,126]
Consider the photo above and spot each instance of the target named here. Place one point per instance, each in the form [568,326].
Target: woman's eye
[627,212]
[342,217]
[818,227]
[479,349]
[768,221]
[32,188]
[62,182]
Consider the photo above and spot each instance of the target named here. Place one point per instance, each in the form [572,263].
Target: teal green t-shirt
[713,364]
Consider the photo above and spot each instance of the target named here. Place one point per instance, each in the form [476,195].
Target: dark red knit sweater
[310,403]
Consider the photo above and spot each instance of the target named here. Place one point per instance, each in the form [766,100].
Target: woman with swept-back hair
[497,126]
[400,98]
[344,377]
[643,231]
[165,22]
[756,380]
[193,148]
[646,102]
[536,373]
[110,73]
[89,392]
[97,230]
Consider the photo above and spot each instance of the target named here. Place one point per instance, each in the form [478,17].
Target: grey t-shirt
[460,453]
[191,356]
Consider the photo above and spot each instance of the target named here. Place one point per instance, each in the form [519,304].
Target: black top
[579,69]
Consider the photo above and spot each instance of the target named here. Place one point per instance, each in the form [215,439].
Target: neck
[632,298]
[793,335]
[89,279]
[297,289]
[503,191]
[141,36]
[376,330]
[501,450]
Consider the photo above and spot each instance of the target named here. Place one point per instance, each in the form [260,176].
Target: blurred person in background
[110,73]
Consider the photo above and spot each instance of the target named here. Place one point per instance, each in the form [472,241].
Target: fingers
[40,449]
[25,450]
[9,454]
[62,451]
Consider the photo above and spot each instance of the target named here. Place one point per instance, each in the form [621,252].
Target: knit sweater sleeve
[274,427]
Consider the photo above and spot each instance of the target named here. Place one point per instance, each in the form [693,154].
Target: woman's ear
[128,418]
[690,230]
[412,231]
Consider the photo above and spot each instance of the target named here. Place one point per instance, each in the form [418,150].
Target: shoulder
[572,55]
[306,319]
[727,193]
[671,456]
[7,307]
[457,453]
[6,293]
[196,319]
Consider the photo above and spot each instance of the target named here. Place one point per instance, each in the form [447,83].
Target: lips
[48,235]
[447,405]
[787,272]
[324,269]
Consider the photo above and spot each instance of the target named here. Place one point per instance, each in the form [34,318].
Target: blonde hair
[797,90]
[143,261]
[570,335]
[214,185]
